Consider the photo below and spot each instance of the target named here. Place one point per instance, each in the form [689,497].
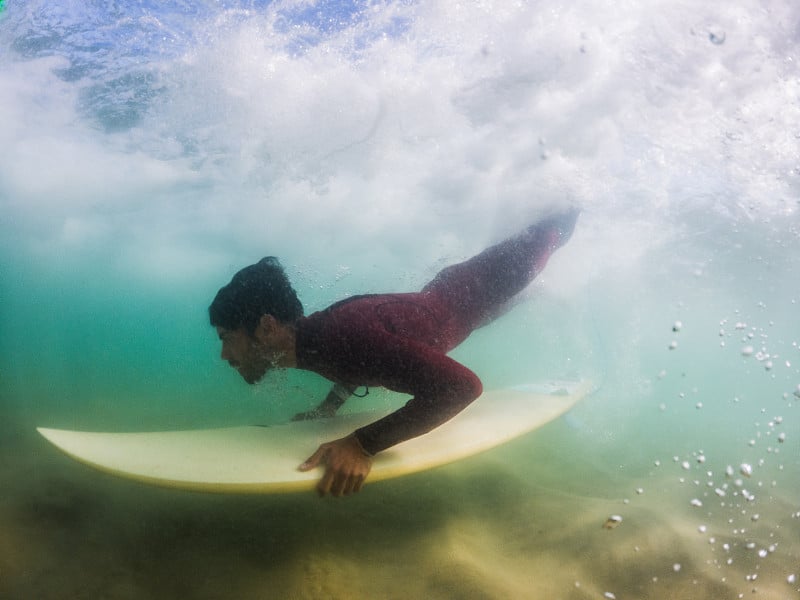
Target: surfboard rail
[252,459]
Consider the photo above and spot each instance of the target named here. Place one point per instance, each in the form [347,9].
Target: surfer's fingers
[348,485]
[354,484]
[325,483]
[339,485]
[314,460]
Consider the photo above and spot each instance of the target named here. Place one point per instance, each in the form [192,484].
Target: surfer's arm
[441,388]
[336,397]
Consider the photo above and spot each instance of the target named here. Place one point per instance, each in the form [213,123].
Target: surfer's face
[244,353]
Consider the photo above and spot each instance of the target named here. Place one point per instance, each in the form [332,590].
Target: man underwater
[397,341]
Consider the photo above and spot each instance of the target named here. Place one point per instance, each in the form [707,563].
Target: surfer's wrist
[360,445]
[334,400]
[339,394]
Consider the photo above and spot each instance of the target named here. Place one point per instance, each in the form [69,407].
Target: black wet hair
[257,290]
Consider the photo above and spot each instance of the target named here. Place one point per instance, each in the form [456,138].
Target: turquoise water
[149,152]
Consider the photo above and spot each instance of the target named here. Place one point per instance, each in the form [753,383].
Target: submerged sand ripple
[474,530]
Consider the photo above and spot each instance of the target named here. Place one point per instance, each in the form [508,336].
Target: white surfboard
[265,459]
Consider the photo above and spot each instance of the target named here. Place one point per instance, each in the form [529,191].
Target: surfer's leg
[475,291]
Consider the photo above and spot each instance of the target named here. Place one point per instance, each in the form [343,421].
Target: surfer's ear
[266,328]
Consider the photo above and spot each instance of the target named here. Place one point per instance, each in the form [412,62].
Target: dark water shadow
[85,533]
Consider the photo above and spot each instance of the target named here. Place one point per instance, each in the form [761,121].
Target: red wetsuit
[400,341]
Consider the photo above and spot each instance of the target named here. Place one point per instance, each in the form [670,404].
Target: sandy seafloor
[522,521]
[151,149]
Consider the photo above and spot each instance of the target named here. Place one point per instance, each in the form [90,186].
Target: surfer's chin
[253,378]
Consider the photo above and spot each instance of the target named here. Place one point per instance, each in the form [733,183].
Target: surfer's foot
[556,229]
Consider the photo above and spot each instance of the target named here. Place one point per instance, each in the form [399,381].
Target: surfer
[397,341]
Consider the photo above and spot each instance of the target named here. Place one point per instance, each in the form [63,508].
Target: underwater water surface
[150,150]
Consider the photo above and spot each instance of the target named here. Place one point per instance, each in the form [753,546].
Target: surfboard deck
[264,460]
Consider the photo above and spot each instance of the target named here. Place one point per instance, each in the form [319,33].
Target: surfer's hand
[346,464]
[317,413]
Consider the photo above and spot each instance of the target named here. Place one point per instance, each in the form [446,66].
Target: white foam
[426,131]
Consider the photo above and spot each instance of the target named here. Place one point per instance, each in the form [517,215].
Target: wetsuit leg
[475,291]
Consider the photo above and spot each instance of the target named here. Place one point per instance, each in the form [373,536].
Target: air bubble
[612,522]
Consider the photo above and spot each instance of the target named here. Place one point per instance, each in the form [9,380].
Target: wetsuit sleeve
[337,396]
[441,388]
